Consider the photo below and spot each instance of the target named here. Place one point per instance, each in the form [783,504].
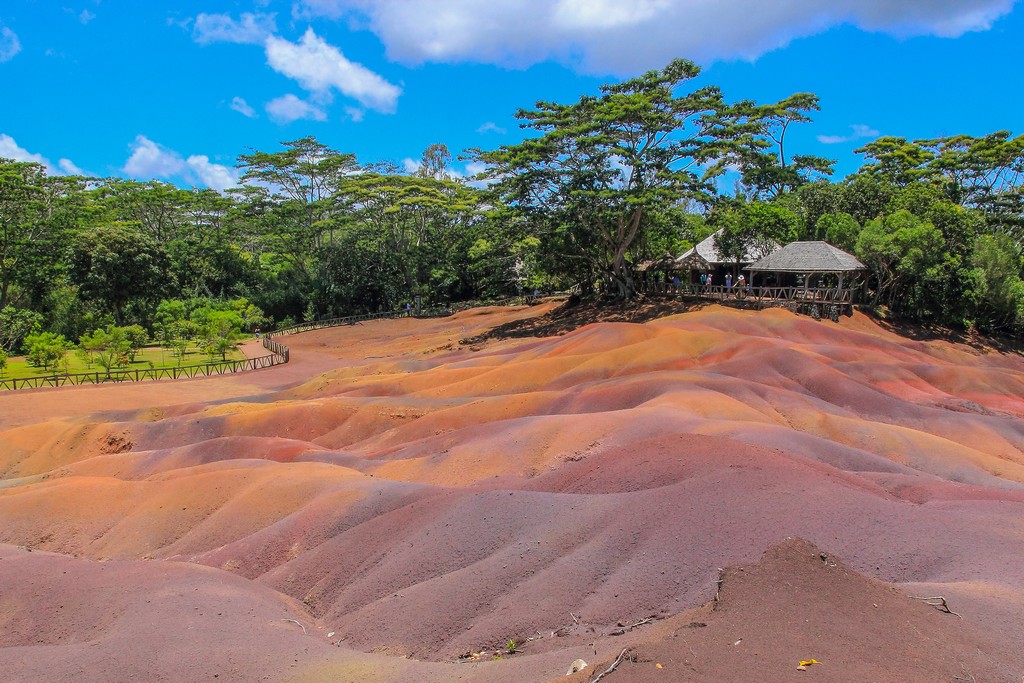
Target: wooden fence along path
[176,372]
[279,354]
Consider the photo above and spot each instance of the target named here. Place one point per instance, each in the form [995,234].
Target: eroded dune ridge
[413,500]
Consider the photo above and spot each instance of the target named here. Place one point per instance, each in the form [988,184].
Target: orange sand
[419,498]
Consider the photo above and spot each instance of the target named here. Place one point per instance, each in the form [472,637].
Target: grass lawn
[147,357]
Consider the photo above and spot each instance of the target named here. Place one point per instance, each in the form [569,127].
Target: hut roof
[808,257]
[705,255]
[666,262]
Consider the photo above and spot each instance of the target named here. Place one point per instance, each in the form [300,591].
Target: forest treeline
[643,168]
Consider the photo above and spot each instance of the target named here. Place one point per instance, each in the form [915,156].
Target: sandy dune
[409,500]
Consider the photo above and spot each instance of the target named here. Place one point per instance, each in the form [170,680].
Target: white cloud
[475,168]
[411,166]
[9,149]
[215,176]
[858,131]
[355,113]
[9,44]
[491,127]
[242,107]
[290,108]
[183,24]
[86,16]
[605,14]
[319,67]
[309,9]
[610,36]
[862,131]
[150,160]
[249,28]
[69,167]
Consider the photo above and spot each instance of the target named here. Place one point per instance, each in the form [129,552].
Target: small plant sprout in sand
[511,646]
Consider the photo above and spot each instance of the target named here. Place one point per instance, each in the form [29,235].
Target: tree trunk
[619,269]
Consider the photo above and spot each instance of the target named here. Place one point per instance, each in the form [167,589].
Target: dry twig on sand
[623,629]
[295,621]
[615,665]
[939,602]
[567,629]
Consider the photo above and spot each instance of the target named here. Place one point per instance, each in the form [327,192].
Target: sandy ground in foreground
[395,505]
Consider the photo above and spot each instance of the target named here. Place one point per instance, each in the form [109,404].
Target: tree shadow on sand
[576,312]
[926,332]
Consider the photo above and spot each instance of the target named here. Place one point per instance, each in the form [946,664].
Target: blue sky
[177,90]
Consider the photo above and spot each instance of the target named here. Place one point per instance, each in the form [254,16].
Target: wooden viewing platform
[797,299]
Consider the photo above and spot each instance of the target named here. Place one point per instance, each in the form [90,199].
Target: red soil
[419,498]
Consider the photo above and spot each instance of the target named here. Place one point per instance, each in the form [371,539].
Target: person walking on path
[741,282]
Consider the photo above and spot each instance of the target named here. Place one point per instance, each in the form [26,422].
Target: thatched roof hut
[705,256]
[661,264]
[808,258]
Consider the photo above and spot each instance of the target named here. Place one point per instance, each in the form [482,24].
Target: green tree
[601,164]
[760,149]
[3,362]
[815,200]
[90,344]
[903,252]
[999,289]
[895,161]
[137,338]
[865,197]
[977,171]
[46,349]
[419,221]
[158,208]
[305,184]
[15,325]
[178,336]
[435,162]
[21,209]
[221,332]
[118,265]
[839,229]
[753,228]
[109,348]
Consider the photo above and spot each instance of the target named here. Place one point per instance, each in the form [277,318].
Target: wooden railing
[821,295]
[277,356]
[836,295]
[332,322]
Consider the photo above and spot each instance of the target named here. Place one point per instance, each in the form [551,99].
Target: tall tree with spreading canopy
[895,161]
[759,149]
[600,164]
[305,182]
